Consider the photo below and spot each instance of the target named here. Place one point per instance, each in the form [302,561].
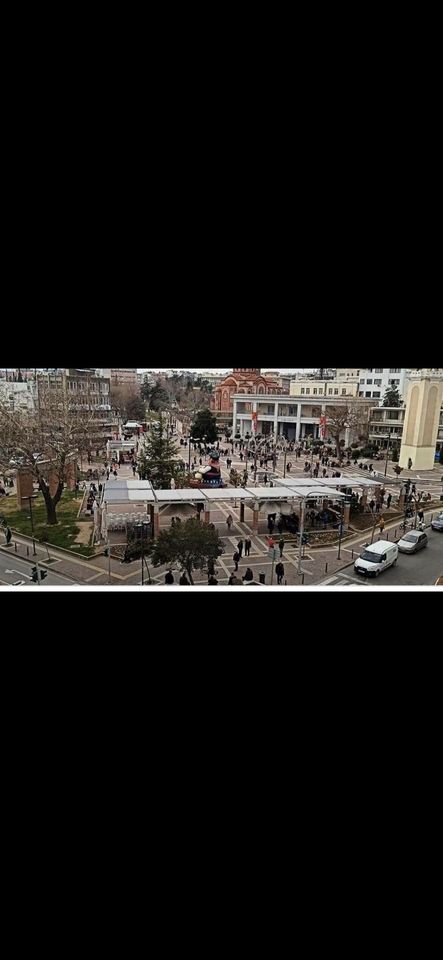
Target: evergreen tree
[392,397]
[205,427]
[191,544]
[158,462]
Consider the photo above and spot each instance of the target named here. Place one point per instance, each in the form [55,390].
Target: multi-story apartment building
[83,391]
[374,381]
[19,396]
[119,377]
[309,387]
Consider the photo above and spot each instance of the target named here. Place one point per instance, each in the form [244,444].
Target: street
[419,569]
[13,571]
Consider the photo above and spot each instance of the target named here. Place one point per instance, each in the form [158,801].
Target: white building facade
[296,419]
[374,381]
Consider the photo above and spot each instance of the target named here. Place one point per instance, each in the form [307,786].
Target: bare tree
[342,418]
[43,443]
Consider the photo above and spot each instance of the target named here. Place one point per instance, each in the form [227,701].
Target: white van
[376,557]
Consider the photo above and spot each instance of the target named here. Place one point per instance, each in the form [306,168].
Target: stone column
[156,520]
[255,517]
[298,424]
[422,417]
[234,418]
[242,512]
[276,419]
[346,514]
[207,517]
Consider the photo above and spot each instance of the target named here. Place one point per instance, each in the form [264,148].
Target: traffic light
[43,575]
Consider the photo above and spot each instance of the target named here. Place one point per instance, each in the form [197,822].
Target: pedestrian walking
[382,524]
[248,545]
[271,525]
[280,571]
[372,505]
[229,522]
[271,542]
[281,544]
[236,559]
[388,501]
[240,546]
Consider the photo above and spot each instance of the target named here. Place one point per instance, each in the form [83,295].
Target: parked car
[437,523]
[376,558]
[413,541]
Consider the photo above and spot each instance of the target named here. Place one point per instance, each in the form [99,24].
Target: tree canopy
[392,397]
[158,462]
[191,544]
[205,426]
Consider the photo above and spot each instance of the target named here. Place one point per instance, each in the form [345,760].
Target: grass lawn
[63,535]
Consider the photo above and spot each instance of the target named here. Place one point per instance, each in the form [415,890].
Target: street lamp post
[302,530]
[31,498]
[387,452]
[342,520]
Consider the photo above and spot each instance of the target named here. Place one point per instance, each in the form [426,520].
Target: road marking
[19,574]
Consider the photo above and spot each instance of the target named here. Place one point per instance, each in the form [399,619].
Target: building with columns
[293,418]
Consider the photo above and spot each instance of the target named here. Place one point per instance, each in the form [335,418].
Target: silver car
[413,541]
[437,523]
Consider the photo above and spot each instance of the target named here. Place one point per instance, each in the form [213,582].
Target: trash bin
[262,578]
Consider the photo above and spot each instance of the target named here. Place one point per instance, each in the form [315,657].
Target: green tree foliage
[392,398]
[158,462]
[190,544]
[205,426]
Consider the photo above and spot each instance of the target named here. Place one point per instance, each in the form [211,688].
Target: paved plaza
[319,566]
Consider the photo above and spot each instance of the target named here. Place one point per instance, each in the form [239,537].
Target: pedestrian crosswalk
[341,580]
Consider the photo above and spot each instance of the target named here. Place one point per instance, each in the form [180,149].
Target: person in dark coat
[248,545]
[280,571]
[240,548]
[184,582]
[248,576]
[212,582]
[281,544]
[169,578]
[236,558]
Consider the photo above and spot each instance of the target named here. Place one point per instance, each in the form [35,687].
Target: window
[302,390]
[377,383]
[378,369]
[368,393]
[376,394]
[343,393]
[395,370]
[336,392]
[330,392]
[315,390]
[308,390]
[368,382]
